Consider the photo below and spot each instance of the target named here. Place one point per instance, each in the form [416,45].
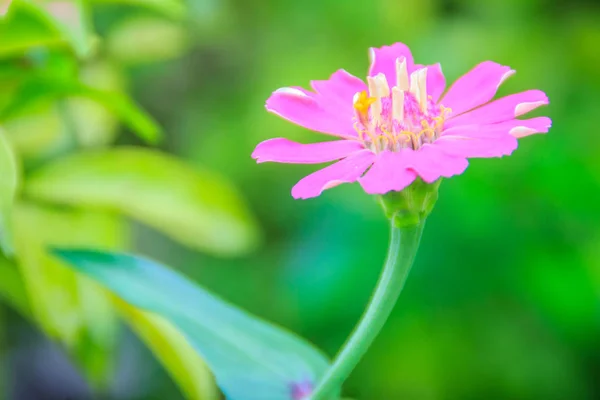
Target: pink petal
[383,60]
[336,94]
[476,87]
[347,170]
[514,127]
[471,147]
[436,82]
[285,151]
[305,109]
[530,126]
[389,172]
[430,162]
[503,109]
[493,140]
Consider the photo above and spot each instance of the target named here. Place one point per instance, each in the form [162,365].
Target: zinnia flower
[400,125]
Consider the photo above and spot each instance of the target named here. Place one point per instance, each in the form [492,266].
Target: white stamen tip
[418,87]
[402,74]
[378,86]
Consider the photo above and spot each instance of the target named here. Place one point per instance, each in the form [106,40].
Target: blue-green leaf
[174,351]
[251,359]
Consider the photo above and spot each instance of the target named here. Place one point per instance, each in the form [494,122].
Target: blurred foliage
[504,298]
[66,181]
[251,359]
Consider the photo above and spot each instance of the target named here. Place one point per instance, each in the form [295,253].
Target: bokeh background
[503,300]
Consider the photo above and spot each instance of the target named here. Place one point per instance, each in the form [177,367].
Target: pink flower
[404,128]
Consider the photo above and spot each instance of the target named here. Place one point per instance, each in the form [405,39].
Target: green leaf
[171,8]
[195,207]
[139,40]
[12,288]
[129,113]
[69,307]
[70,18]
[94,123]
[251,359]
[174,351]
[24,27]
[33,23]
[9,181]
[39,90]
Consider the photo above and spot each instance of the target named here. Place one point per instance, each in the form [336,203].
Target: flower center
[404,118]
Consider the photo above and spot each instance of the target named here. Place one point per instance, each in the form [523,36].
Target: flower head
[400,124]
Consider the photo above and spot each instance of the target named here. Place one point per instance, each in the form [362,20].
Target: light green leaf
[9,181]
[70,18]
[24,27]
[12,289]
[131,115]
[171,8]
[250,358]
[94,123]
[69,307]
[37,134]
[175,353]
[139,40]
[41,90]
[195,207]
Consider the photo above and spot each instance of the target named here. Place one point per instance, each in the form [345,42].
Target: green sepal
[412,205]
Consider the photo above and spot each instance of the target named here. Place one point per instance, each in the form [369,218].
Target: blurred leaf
[195,207]
[24,27]
[171,8]
[69,308]
[131,115]
[173,350]
[141,40]
[12,288]
[42,90]
[94,123]
[9,180]
[70,19]
[251,359]
[31,23]
[37,134]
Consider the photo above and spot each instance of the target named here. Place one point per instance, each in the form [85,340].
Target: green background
[503,300]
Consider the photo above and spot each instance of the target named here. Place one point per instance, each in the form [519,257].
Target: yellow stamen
[387,133]
[362,102]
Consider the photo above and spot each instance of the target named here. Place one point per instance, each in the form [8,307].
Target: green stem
[404,243]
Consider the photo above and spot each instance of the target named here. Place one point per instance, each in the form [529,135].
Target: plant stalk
[404,242]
